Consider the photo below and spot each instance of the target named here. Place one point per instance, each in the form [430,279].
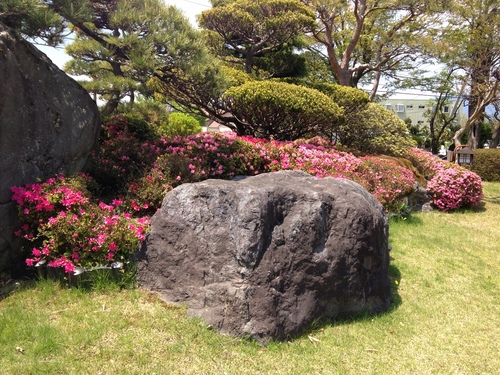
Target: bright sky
[190,8]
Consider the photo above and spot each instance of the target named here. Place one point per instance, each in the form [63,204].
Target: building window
[420,122]
[421,107]
[389,107]
[400,108]
[446,109]
[409,106]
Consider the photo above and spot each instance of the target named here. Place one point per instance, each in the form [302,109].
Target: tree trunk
[496,137]
[249,63]
[376,83]
[111,104]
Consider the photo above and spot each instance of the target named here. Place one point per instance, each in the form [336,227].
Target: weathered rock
[419,200]
[265,256]
[48,125]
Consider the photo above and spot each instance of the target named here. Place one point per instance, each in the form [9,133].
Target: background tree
[494,120]
[363,37]
[472,42]
[243,31]
[442,123]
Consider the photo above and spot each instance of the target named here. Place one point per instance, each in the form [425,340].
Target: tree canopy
[33,19]
[127,47]
[250,29]
[365,36]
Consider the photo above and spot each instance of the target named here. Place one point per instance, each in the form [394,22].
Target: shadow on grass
[365,315]
[491,200]
[9,286]
[408,220]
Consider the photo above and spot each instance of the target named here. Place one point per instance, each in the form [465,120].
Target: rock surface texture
[48,125]
[266,256]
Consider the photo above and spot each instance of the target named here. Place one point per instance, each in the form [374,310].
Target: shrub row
[450,185]
[78,222]
[487,164]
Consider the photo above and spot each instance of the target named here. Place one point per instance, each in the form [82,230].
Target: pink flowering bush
[453,188]
[127,149]
[317,160]
[202,156]
[450,185]
[67,229]
[388,181]
[68,224]
[196,158]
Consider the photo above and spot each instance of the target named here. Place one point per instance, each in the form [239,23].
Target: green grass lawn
[445,270]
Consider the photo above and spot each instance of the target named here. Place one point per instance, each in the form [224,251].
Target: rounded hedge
[281,110]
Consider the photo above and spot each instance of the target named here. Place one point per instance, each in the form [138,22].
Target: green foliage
[317,68]
[33,19]
[376,130]
[487,164]
[128,43]
[235,76]
[243,31]
[148,111]
[349,98]
[282,111]
[180,124]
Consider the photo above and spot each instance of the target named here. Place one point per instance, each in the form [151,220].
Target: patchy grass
[445,318]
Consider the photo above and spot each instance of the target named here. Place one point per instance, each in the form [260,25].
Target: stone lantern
[464,155]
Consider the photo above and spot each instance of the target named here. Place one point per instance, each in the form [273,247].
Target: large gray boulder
[48,126]
[266,256]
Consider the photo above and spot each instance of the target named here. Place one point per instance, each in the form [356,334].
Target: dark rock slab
[48,126]
[266,256]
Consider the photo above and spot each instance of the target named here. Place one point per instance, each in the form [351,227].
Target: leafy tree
[245,31]
[494,120]
[363,37]
[471,42]
[441,122]
[122,44]
[283,111]
[417,133]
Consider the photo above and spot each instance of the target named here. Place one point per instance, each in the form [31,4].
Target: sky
[190,8]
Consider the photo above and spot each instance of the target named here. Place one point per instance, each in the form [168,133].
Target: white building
[417,110]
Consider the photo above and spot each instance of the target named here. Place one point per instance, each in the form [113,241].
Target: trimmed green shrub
[282,111]
[180,124]
[376,130]
[349,98]
[487,164]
